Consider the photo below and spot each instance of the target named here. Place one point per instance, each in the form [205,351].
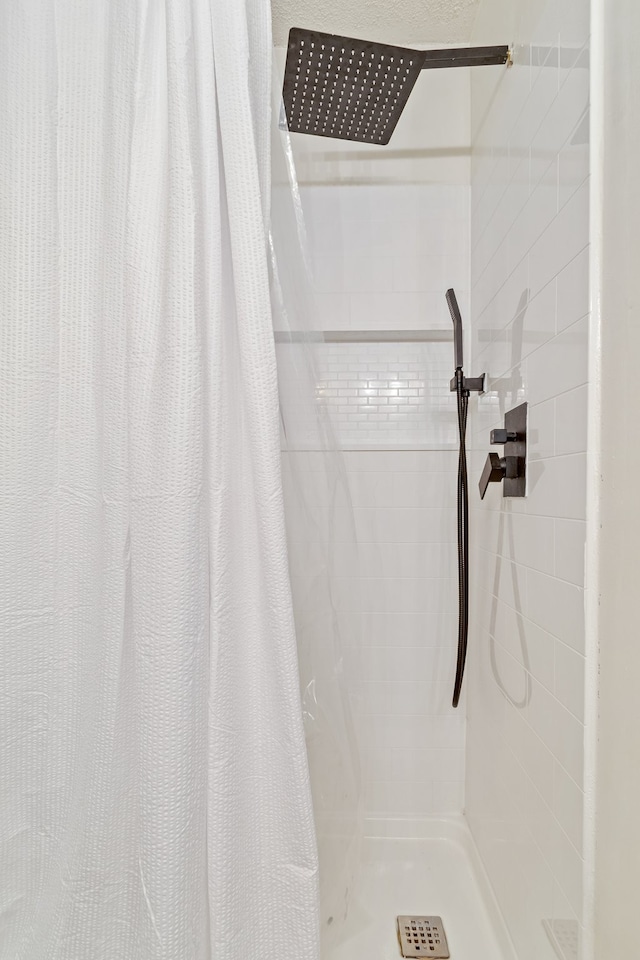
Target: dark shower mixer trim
[511,469]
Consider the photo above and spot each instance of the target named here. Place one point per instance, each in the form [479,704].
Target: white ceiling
[388,21]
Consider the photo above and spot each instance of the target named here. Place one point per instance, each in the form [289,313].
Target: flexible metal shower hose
[463,536]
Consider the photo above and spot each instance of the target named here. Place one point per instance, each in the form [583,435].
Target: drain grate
[422,937]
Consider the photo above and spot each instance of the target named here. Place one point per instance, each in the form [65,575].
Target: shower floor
[437,873]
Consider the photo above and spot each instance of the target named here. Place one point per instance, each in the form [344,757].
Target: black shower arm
[466,57]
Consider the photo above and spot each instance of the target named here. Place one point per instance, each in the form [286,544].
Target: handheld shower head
[454,310]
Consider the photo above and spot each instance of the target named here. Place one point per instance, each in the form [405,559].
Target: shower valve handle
[497,469]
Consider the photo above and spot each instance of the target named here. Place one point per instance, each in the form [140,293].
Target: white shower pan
[426,868]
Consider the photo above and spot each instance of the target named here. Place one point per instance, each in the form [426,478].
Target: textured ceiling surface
[388,21]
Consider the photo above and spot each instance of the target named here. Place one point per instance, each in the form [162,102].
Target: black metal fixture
[511,469]
[462,386]
[355,89]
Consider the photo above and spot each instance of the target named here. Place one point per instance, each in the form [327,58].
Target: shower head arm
[466,57]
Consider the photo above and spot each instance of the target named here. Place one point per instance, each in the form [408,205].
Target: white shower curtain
[154,795]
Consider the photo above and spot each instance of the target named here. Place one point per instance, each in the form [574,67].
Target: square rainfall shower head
[345,88]
[356,89]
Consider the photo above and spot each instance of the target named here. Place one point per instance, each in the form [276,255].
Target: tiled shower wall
[530,303]
[382,256]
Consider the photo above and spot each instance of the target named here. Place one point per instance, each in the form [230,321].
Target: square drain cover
[422,937]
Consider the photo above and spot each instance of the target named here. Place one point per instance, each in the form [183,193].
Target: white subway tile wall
[377,395]
[412,741]
[383,257]
[530,300]
[397,620]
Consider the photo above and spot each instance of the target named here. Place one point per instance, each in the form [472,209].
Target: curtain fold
[154,792]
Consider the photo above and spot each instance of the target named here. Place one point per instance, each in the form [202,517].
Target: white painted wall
[617,290]
[530,306]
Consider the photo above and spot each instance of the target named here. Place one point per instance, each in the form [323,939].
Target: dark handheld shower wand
[462,386]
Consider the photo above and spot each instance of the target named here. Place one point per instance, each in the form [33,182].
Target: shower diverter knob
[503,436]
